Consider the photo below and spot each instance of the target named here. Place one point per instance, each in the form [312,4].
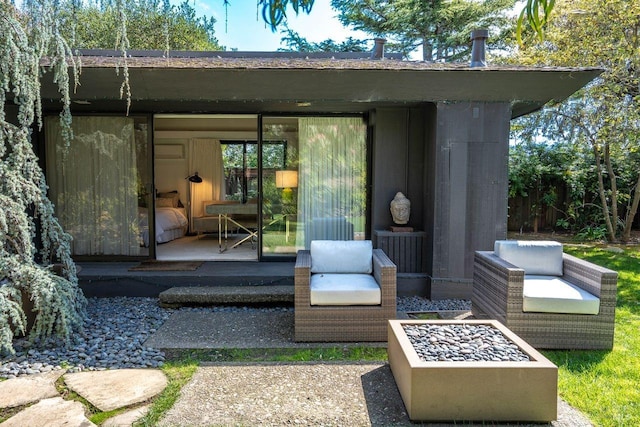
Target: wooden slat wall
[406,249]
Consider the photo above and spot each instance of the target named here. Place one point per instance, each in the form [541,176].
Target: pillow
[173,195]
[341,256]
[535,257]
[163,202]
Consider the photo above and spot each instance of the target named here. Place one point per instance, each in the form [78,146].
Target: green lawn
[605,385]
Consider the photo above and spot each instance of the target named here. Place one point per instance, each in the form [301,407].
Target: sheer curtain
[93,184]
[205,157]
[332,178]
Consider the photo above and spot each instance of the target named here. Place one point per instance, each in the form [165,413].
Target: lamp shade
[286,179]
[194,178]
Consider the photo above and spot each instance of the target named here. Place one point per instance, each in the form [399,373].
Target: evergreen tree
[296,43]
[441,28]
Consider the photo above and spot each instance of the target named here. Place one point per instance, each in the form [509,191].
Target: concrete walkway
[226,394]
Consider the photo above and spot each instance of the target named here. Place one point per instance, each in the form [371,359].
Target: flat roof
[285,82]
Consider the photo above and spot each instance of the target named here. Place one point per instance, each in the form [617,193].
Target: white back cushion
[539,257]
[341,256]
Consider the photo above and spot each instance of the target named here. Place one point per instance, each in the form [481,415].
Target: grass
[605,385]
[178,374]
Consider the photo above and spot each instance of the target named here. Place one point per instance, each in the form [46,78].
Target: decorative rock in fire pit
[462,343]
[471,370]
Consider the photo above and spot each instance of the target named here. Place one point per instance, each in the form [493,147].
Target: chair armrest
[498,280]
[384,271]
[302,278]
[596,280]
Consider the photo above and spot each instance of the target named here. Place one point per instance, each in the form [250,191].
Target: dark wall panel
[389,172]
[471,185]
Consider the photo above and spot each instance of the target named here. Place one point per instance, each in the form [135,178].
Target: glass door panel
[319,190]
[279,186]
[100,184]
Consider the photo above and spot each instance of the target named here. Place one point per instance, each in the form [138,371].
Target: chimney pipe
[378,48]
[478,38]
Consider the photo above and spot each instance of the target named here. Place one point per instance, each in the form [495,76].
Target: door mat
[167,266]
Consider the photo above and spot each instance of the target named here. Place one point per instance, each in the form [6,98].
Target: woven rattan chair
[498,294]
[348,323]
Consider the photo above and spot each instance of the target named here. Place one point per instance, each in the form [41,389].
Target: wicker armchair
[349,323]
[498,294]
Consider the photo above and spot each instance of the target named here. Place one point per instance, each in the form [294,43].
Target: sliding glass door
[100,184]
[317,189]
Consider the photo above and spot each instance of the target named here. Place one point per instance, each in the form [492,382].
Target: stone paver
[52,412]
[24,390]
[109,390]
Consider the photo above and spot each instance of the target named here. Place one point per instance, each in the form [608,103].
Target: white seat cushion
[341,256]
[550,294]
[344,289]
[539,257]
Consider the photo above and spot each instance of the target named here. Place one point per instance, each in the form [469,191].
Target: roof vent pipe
[378,48]
[478,39]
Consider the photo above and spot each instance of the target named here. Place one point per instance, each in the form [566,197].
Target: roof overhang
[217,85]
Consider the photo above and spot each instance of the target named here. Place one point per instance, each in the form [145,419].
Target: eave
[214,84]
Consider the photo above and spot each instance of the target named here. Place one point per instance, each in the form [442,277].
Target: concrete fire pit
[464,390]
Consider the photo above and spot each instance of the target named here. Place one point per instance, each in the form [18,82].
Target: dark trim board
[105,279]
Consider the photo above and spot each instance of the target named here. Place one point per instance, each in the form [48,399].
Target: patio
[275,393]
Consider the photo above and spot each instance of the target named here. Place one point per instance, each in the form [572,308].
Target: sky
[246,31]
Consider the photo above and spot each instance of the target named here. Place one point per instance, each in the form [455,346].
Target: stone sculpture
[400,209]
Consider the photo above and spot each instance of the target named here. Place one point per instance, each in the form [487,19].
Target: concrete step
[232,295]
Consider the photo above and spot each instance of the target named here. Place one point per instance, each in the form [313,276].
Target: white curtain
[93,184]
[332,178]
[205,157]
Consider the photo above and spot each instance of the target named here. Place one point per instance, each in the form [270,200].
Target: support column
[470,190]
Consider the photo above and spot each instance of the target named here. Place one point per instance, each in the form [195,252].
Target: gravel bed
[463,343]
[116,328]
[416,304]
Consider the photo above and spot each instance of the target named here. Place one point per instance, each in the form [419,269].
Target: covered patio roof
[272,82]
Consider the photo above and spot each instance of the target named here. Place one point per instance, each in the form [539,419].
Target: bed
[170,219]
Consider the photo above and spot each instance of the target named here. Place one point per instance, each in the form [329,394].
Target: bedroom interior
[206,187]
[190,171]
[221,150]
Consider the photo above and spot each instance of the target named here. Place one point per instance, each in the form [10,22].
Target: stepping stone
[24,390]
[126,418]
[109,390]
[51,412]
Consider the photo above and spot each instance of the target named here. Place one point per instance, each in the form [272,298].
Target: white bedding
[171,223]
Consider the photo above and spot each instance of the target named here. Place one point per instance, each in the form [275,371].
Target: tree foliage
[294,42]
[151,25]
[441,28]
[41,270]
[604,118]
[274,12]
[536,13]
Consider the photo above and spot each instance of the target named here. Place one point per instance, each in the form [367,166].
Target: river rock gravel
[463,343]
[116,329]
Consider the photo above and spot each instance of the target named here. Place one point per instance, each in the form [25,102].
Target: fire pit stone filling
[462,343]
